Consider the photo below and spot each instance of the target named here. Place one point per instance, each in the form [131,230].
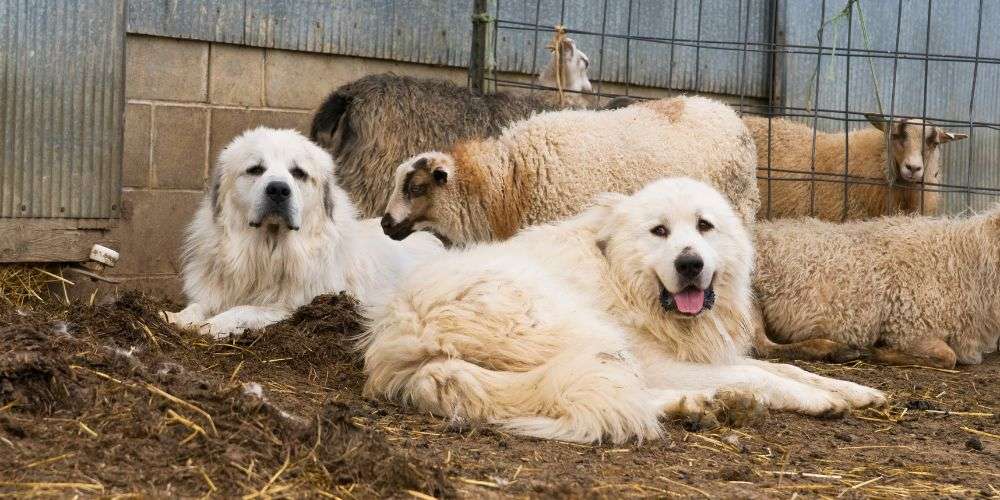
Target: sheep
[911,289]
[374,123]
[786,145]
[549,166]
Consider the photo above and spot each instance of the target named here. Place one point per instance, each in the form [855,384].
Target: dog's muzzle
[691,301]
[274,210]
[396,230]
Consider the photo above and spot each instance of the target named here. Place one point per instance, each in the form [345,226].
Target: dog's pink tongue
[690,301]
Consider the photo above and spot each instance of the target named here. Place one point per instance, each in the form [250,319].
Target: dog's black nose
[387,222]
[278,191]
[689,266]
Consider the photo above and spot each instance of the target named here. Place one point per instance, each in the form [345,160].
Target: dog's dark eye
[660,231]
[256,170]
[704,225]
[298,173]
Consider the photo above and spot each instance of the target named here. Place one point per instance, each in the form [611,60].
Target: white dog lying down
[592,328]
[275,231]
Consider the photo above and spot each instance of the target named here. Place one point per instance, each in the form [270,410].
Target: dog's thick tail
[328,117]
[579,396]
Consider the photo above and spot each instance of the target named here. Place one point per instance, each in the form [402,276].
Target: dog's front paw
[189,318]
[860,396]
[222,326]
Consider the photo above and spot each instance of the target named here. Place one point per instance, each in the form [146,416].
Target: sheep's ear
[877,121]
[943,136]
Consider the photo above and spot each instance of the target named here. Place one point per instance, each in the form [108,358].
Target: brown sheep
[374,123]
[787,146]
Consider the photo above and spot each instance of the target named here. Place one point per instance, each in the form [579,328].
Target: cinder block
[236,75]
[151,232]
[166,69]
[229,123]
[179,155]
[301,80]
[135,172]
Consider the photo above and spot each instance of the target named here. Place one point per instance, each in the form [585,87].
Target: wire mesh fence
[927,71]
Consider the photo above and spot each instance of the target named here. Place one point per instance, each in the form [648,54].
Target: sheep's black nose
[387,222]
[278,191]
[912,168]
[689,266]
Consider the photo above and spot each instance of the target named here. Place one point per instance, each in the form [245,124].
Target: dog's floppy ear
[603,207]
[214,194]
[608,200]
[328,203]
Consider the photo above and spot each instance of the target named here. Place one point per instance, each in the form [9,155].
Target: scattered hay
[109,400]
[27,285]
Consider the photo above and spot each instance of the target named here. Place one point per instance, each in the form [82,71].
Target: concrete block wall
[186,101]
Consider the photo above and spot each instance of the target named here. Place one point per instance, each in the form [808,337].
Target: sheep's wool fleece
[550,166]
[895,280]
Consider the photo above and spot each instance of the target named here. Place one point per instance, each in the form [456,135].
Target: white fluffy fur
[238,277]
[558,332]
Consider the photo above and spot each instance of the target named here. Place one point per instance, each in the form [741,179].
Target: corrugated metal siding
[61,107]
[953,32]
[424,31]
[214,20]
[438,32]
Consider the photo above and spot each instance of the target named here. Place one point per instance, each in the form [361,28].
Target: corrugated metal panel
[61,107]
[424,31]
[953,32]
[438,32]
[214,20]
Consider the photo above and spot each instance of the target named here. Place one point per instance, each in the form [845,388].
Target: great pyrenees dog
[276,230]
[593,328]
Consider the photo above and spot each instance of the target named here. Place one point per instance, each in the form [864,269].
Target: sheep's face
[418,182]
[574,68]
[678,245]
[915,148]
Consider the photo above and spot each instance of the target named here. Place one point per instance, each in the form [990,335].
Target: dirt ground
[107,400]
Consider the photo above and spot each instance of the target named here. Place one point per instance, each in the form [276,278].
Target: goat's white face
[574,69]
[915,148]
[675,237]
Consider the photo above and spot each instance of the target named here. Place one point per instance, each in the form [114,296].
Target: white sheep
[787,146]
[551,165]
[914,290]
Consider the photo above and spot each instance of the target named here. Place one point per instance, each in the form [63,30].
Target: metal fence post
[481,62]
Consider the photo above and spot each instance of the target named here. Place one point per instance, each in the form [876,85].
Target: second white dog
[592,328]
[275,231]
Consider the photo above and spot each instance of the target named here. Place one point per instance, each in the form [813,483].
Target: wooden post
[481,62]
